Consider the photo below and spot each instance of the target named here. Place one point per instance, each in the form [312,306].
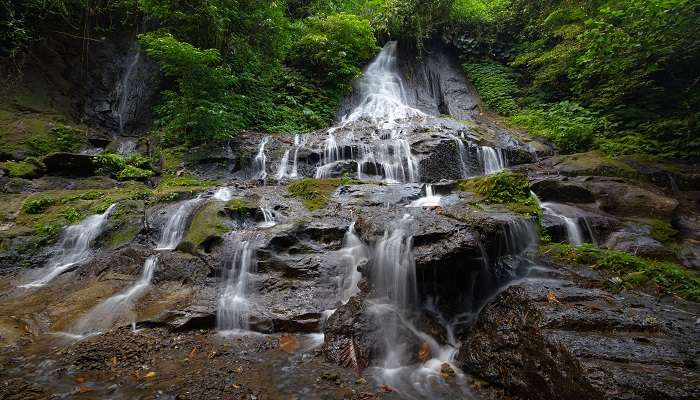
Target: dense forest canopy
[616,75]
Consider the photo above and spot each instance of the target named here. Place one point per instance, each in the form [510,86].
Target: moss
[208,221]
[663,276]
[46,213]
[507,188]
[125,223]
[315,193]
[171,158]
[595,163]
[21,169]
[660,230]
[172,188]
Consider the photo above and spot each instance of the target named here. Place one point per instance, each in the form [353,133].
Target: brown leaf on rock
[289,344]
[552,298]
[424,352]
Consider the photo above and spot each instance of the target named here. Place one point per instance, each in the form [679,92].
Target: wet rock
[562,338]
[624,199]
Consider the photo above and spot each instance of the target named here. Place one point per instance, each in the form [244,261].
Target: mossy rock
[315,193]
[507,188]
[208,220]
[124,224]
[242,208]
[593,163]
[22,169]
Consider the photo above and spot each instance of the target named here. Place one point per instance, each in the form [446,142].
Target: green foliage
[505,187]
[57,138]
[20,169]
[135,167]
[665,277]
[333,48]
[71,215]
[197,109]
[132,173]
[571,127]
[36,206]
[495,84]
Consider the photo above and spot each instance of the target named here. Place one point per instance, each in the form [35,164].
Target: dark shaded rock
[506,347]
[561,191]
[639,244]
[99,138]
[69,164]
[624,199]
[565,338]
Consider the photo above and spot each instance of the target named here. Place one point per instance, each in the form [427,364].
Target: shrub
[133,173]
[36,206]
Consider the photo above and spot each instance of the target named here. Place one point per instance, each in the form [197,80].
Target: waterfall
[429,200]
[381,92]
[382,100]
[261,159]
[353,254]
[461,149]
[74,247]
[269,217]
[282,170]
[124,93]
[298,143]
[127,147]
[223,194]
[492,160]
[394,271]
[120,307]
[574,229]
[175,227]
[233,309]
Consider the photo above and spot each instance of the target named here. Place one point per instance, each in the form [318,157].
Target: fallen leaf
[552,298]
[150,374]
[192,353]
[85,389]
[424,352]
[235,386]
[80,380]
[289,344]
[386,388]
[446,371]
[114,360]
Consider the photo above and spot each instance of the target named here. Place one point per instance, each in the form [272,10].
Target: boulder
[69,164]
[639,244]
[562,191]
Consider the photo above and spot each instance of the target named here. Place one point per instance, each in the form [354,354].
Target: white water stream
[120,307]
[74,247]
[176,225]
[233,308]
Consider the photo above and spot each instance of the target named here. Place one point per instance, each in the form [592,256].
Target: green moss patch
[661,276]
[173,188]
[209,220]
[315,193]
[21,169]
[507,188]
[594,163]
[124,223]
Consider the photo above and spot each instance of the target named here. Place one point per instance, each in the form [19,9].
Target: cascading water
[353,254]
[430,199]
[175,227]
[223,194]
[120,307]
[282,170]
[268,216]
[260,160]
[492,160]
[124,86]
[233,308]
[574,230]
[299,142]
[75,247]
[127,147]
[394,280]
[462,152]
[381,100]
